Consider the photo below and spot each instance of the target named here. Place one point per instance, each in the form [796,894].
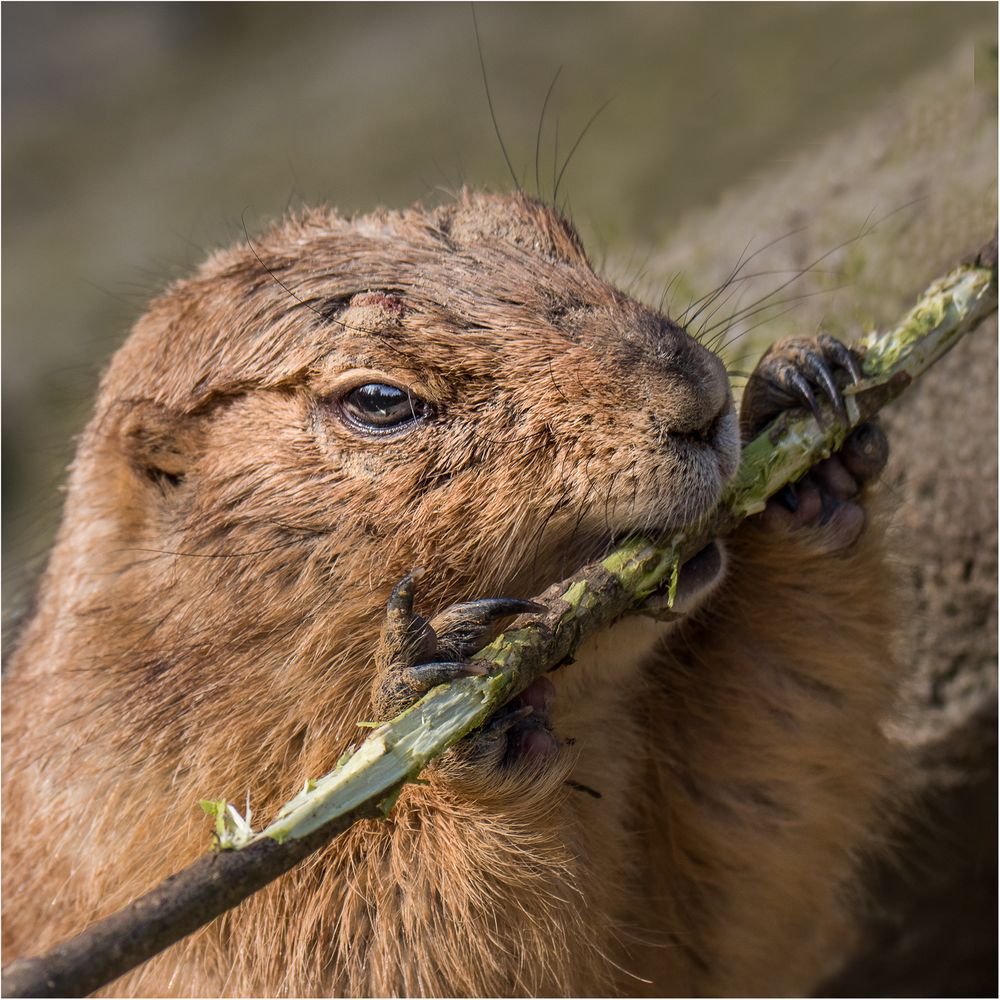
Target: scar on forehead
[373,313]
[387,302]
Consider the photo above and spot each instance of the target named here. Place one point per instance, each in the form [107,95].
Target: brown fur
[207,623]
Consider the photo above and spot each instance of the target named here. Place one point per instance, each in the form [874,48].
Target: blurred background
[137,135]
[861,137]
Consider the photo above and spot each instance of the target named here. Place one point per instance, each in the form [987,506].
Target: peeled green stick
[367,781]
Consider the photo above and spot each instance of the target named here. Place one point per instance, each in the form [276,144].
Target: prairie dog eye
[377,408]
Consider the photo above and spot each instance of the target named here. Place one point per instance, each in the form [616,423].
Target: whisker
[750,310]
[538,135]
[753,326]
[489,100]
[740,264]
[273,276]
[866,229]
[586,129]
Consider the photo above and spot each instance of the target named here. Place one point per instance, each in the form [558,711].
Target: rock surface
[918,178]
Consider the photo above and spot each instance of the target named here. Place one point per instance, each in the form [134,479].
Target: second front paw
[828,498]
[416,654]
[793,375]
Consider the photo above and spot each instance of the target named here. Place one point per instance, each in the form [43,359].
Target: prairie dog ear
[159,443]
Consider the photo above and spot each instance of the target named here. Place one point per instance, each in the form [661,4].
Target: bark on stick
[367,783]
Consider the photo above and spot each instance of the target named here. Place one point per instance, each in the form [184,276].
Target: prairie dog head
[309,418]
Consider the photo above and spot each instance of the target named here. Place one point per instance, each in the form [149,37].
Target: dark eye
[380,409]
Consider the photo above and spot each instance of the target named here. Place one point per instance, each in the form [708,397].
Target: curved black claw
[415,655]
[407,634]
[463,629]
[428,675]
[816,366]
[840,354]
[791,374]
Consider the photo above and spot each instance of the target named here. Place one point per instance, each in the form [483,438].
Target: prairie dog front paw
[416,654]
[794,374]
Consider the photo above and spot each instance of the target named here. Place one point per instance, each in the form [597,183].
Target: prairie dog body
[281,440]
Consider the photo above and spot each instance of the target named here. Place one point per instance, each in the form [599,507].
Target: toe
[866,451]
[463,629]
[401,598]
[538,695]
[834,478]
[791,375]
[844,526]
[810,507]
[839,354]
[814,364]
[424,676]
[531,742]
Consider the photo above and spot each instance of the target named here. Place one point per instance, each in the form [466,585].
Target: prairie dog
[287,435]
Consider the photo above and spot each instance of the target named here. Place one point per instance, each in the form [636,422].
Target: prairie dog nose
[697,394]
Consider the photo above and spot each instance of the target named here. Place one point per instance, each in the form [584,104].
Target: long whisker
[586,129]
[273,276]
[538,135]
[489,100]
[867,227]
[767,319]
[740,264]
[755,307]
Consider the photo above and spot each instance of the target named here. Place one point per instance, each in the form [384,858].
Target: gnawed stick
[367,782]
